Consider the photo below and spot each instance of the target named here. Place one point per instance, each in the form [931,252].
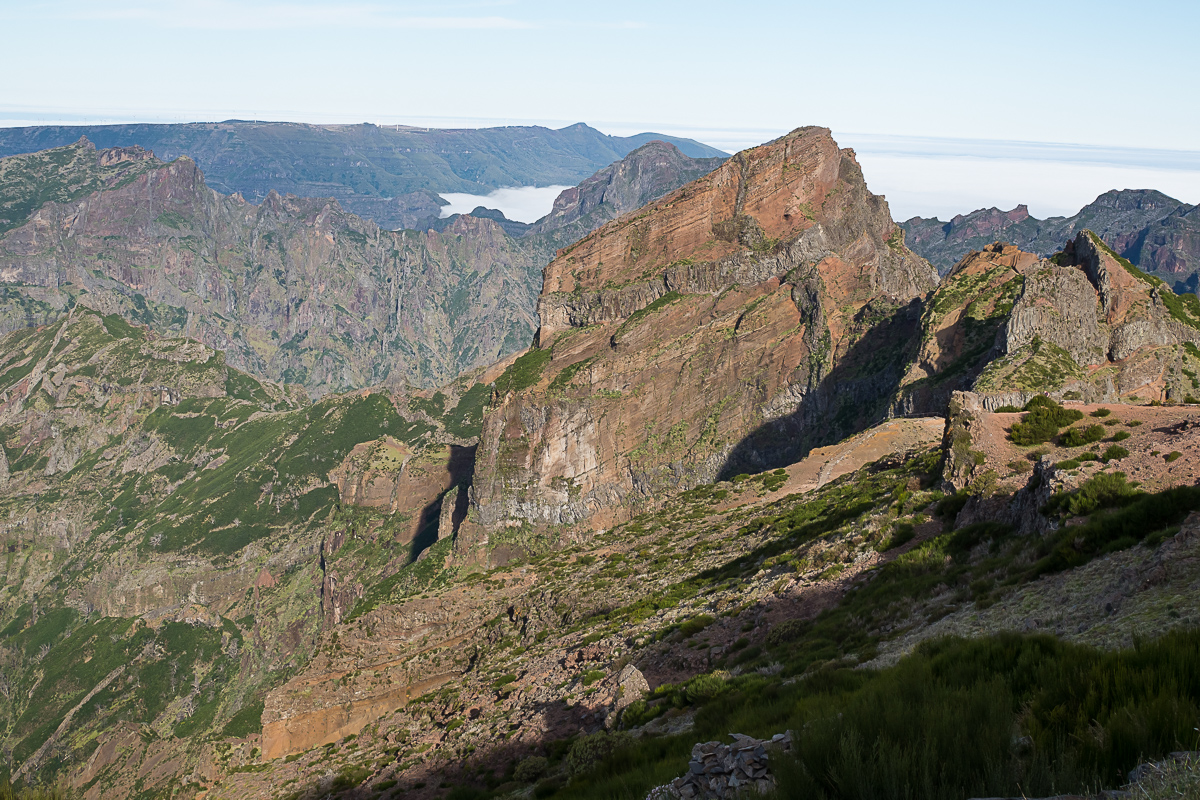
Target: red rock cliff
[726,327]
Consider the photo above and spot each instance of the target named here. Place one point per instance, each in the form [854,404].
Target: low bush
[695,625]
[529,769]
[902,534]
[1121,436]
[1174,454]
[705,687]
[1141,516]
[1078,437]
[948,507]
[1002,716]
[1101,412]
[1042,422]
[587,751]
[1104,490]
[1113,452]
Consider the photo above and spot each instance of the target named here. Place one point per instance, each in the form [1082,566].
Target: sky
[950,105]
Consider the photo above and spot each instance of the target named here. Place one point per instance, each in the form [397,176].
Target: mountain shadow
[851,397]
[461,466]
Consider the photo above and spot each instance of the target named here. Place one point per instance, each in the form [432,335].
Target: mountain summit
[727,327]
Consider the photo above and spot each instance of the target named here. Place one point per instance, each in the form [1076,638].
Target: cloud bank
[523,204]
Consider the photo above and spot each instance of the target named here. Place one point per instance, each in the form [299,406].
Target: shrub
[1078,437]
[902,534]
[705,687]
[695,625]
[530,769]
[639,712]
[1069,463]
[1007,410]
[245,722]
[592,676]
[948,507]
[587,751]
[1104,490]
[1114,452]
[1142,517]
[1043,420]
[1121,436]
[1002,716]
[773,481]
[1037,686]
[1174,454]
[1101,412]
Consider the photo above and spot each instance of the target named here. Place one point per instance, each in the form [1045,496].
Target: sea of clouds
[522,203]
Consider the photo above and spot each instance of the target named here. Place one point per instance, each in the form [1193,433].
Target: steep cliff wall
[728,327]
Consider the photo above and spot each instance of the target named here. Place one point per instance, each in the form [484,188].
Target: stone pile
[718,771]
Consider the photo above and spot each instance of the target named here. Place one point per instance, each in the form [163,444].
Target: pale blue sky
[895,80]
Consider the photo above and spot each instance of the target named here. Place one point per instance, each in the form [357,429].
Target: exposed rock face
[1058,306]
[1007,323]
[631,687]
[1159,234]
[641,177]
[705,334]
[295,289]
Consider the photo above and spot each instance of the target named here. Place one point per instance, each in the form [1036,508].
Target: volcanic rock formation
[726,328]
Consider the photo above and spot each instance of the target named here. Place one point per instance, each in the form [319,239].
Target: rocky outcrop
[1057,305]
[717,330]
[721,771]
[1087,324]
[1157,233]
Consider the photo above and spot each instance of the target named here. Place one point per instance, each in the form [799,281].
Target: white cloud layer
[942,186]
[523,204]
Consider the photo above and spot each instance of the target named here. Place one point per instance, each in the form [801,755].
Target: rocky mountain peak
[1135,200]
[993,216]
[1153,231]
[700,335]
[797,198]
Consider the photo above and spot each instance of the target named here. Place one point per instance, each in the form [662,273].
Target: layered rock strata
[753,313]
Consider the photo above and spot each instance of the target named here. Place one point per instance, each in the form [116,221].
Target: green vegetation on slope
[27,182]
[1000,716]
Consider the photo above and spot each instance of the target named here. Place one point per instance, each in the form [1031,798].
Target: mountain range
[294,289]
[739,461]
[391,174]
[1158,234]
